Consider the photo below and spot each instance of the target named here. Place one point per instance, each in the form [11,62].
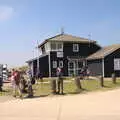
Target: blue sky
[23,22]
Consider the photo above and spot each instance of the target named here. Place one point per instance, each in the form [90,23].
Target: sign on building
[116,64]
[59,54]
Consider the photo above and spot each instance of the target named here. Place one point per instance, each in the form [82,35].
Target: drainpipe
[103,74]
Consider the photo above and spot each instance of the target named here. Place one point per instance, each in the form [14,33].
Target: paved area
[91,106]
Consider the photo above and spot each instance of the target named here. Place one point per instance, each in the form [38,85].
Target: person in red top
[15,79]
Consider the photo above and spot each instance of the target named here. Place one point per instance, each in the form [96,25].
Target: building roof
[103,52]
[33,59]
[67,38]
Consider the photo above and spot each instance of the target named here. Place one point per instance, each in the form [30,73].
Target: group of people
[84,72]
[19,83]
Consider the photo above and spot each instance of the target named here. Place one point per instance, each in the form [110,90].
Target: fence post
[113,78]
[78,83]
[53,86]
[101,81]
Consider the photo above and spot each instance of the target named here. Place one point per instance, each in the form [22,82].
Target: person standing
[15,79]
[1,83]
[59,80]
[29,80]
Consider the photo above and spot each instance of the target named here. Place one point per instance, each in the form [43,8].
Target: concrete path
[91,106]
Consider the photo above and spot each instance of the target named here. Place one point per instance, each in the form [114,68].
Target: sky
[24,22]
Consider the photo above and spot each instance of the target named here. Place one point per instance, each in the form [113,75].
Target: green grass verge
[44,89]
[70,87]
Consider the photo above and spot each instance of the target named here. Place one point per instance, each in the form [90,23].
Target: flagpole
[37,58]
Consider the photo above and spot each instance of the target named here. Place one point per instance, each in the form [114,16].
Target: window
[61,64]
[54,64]
[57,46]
[53,46]
[116,64]
[75,47]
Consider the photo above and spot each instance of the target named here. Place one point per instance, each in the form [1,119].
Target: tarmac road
[90,106]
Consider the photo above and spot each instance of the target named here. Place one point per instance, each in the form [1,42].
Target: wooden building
[105,61]
[71,53]
[63,50]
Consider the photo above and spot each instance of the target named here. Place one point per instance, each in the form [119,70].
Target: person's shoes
[21,96]
[14,95]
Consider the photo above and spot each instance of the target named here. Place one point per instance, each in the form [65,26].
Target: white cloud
[6,12]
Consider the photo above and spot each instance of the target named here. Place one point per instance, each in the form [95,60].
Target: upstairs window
[56,46]
[53,46]
[75,47]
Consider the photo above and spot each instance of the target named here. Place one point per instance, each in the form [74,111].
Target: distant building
[71,53]
[5,72]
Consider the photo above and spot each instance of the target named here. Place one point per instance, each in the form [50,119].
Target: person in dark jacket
[59,80]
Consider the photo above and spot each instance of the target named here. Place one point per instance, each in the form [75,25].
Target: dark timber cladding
[66,51]
[95,67]
[85,49]
[103,61]
[44,66]
[71,53]
[109,63]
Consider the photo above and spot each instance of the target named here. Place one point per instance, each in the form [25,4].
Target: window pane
[71,65]
[59,46]
[75,47]
[53,46]
[54,64]
[61,64]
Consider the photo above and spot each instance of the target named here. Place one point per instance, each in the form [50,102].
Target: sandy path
[91,106]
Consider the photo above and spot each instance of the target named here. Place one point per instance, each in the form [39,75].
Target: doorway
[74,67]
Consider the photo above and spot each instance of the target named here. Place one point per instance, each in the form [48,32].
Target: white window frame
[116,63]
[61,64]
[56,44]
[74,47]
[47,47]
[54,64]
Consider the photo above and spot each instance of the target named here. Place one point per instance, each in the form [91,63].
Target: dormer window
[75,47]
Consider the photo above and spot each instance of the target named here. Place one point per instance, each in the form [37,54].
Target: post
[101,81]
[103,74]
[49,62]
[37,60]
[78,83]
[113,78]
[53,86]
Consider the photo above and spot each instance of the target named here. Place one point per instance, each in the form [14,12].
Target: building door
[71,68]
[74,67]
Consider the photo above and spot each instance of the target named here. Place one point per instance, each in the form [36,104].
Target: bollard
[114,78]
[78,83]
[53,86]
[101,81]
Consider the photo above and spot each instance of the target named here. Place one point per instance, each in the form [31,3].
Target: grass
[44,89]
[70,87]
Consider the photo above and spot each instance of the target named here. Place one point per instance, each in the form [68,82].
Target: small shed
[105,61]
